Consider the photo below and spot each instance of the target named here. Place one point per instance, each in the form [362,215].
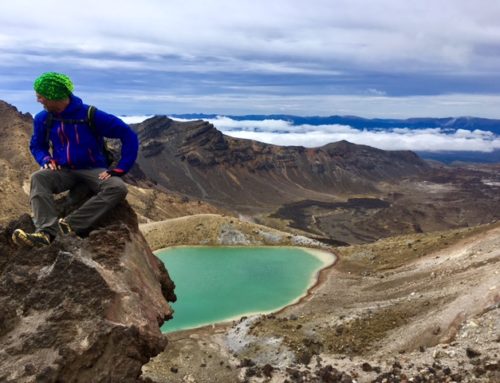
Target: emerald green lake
[214,284]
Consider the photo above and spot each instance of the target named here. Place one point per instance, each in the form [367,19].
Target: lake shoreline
[320,278]
[327,257]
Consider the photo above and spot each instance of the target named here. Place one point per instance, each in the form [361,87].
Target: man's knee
[39,176]
[117,188]
[41,181]
[122,189]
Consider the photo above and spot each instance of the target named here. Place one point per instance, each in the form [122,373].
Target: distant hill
[338,193]
[448,123]
[450,157]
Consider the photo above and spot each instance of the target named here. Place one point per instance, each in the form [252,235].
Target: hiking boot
[64,226]
[39,239]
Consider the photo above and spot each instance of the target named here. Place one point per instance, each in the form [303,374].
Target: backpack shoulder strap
[90,119]
[48,125]
[91,123]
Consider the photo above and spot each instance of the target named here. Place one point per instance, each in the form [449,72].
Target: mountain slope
[338,193]
[197,159]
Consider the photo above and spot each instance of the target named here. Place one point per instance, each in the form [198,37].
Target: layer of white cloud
[280,132]
[134,119]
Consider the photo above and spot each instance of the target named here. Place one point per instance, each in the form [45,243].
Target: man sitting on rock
[68,144]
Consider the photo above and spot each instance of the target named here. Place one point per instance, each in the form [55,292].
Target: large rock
[16,162]
[82,309]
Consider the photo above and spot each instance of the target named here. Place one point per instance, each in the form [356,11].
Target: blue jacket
[75,146]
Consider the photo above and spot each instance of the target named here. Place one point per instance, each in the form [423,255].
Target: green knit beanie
[53,86]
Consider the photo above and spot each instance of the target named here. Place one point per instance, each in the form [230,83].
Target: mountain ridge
[446,125]
[339,193]
[185,155]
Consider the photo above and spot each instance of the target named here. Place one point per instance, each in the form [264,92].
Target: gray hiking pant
[45,183]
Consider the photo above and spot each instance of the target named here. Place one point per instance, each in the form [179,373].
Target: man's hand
[104,175]
[111,172]
[52,165]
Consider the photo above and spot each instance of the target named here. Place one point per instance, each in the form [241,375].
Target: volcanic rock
[16,163]
[82,309]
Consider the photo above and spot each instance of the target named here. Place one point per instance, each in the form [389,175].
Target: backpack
[108,153]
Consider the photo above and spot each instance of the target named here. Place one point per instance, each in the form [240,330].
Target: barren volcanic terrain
[414,295]
[340,193]
[420,307]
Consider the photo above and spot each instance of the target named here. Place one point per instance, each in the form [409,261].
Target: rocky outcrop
[16,163]
[82,309]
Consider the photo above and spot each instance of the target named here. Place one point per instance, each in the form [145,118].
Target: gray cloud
[284,54]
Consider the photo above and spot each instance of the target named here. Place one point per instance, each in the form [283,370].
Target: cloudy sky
[371,58]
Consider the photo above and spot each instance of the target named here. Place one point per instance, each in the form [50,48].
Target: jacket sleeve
[111,126]
[39,145]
